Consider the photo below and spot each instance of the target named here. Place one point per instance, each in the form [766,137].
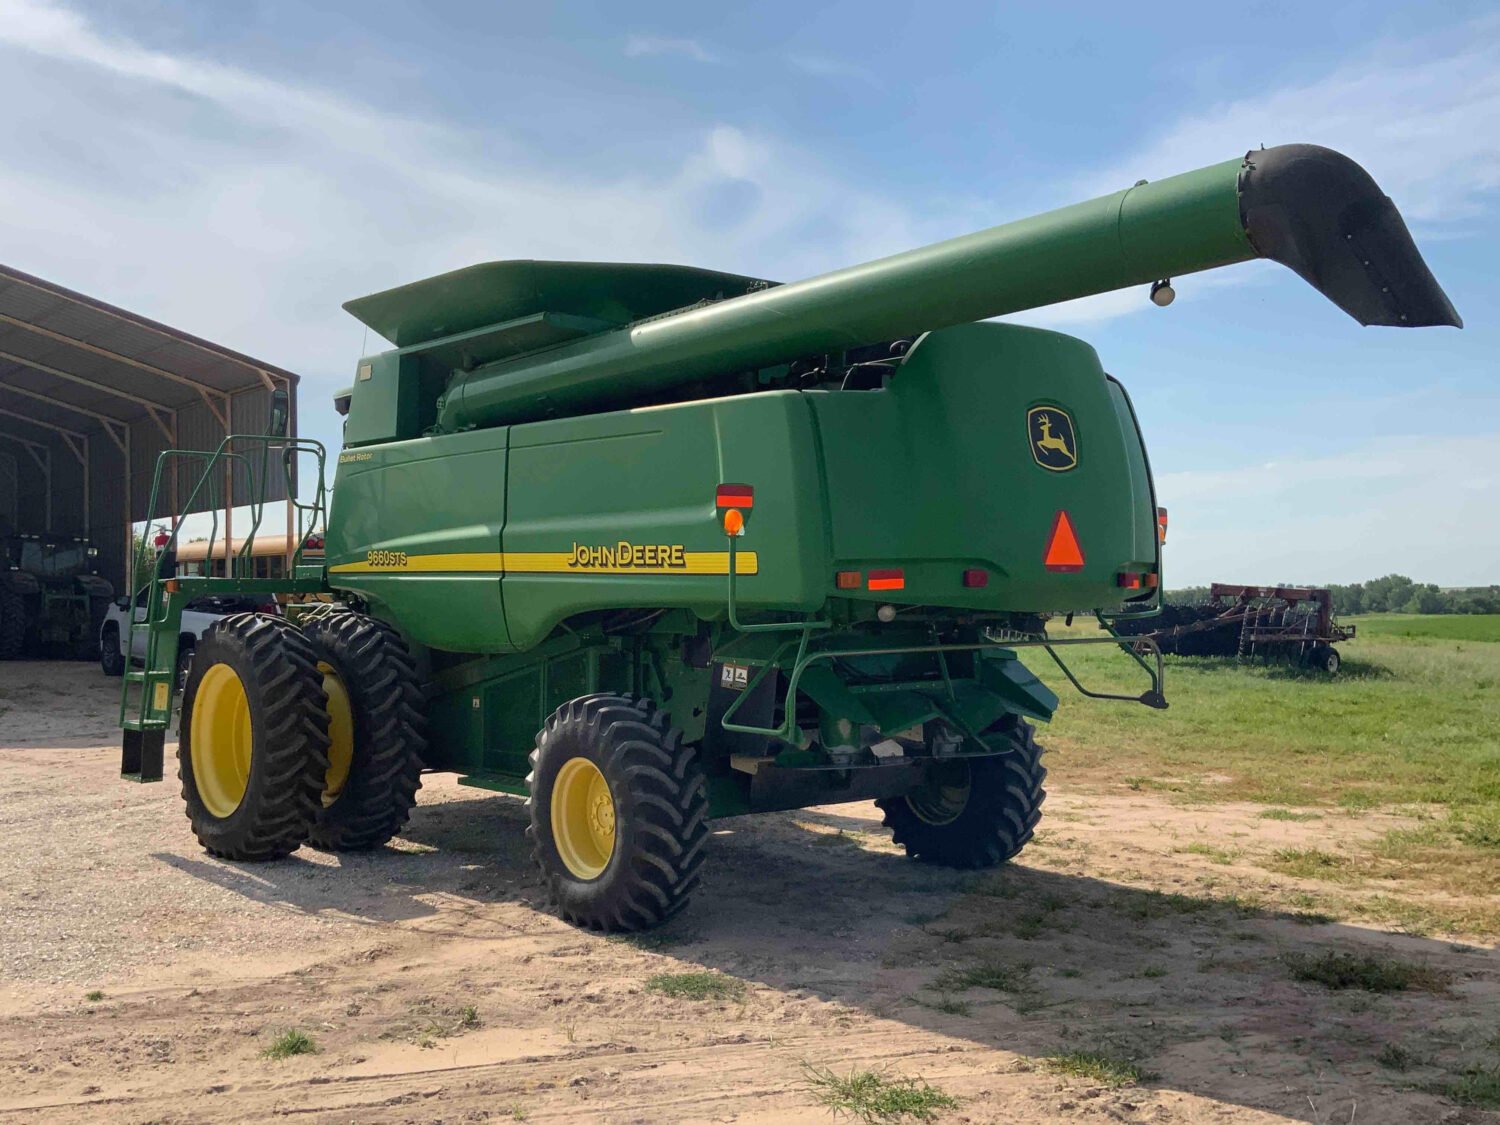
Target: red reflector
[1161,524]
[887,580]
[735,496]
[1064,554]
[1128,579]
[847,579]
[976,578]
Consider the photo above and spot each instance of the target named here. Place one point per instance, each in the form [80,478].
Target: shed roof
[71,364]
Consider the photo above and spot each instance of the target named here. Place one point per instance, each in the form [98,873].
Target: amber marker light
[734,522]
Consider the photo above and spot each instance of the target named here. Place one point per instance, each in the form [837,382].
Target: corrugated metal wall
[197,428]
[10,489]
[107,517]
[108,526]
[103,520]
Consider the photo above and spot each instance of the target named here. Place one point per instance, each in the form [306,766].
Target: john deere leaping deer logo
[1053,443]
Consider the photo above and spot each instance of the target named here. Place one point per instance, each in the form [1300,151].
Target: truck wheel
[253,750]
[619,813]
[12,623]
[377,727]
[973,812]
[111,658]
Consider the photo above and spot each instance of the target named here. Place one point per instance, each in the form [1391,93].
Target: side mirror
[281,412]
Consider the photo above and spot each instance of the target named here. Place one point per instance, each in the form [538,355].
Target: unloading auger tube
[1309,208]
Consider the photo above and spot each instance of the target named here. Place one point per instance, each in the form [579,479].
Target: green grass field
[1438,627]
[1413,720]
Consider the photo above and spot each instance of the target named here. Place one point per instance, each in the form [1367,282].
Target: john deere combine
[652,545]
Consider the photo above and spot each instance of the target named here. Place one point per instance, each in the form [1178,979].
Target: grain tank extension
[650,545]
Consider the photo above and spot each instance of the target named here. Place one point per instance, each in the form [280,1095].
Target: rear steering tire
[974,812]
[619,813]
[377,726]
[253,749]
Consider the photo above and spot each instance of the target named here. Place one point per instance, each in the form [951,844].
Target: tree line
[1395,593]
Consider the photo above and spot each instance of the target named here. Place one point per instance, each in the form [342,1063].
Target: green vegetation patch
[1484,628]
[1409,720]
[1311,863]
[696,986]
[1288,814]
[288,1043]
[1478,1086]
[992,974]
[1337,969]
[876,1098]
[1097,1066]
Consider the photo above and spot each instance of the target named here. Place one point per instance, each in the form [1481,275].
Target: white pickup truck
[197,616]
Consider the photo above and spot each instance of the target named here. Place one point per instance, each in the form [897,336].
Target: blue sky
[242,169]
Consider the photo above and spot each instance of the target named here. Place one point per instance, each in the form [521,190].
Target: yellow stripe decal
[542,562]
[388,562]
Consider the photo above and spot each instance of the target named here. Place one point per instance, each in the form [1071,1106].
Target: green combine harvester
[651,545]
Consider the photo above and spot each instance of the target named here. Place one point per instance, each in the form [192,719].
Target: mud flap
[141,755]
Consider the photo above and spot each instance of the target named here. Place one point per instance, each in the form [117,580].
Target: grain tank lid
[614,293]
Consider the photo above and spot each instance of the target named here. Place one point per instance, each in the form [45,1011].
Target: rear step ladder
[146,694]
[146,697]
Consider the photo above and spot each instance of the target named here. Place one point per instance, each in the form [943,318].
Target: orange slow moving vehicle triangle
[1063,550]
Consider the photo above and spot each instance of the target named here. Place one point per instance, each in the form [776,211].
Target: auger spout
[1312,209]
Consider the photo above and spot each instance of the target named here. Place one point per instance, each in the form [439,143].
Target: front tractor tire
[377,727]
[973,812]
[619,813]
[253,749]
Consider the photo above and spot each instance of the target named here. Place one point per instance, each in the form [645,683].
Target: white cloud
[642,46]
[824,66]
[1422,506]
[1422,117]
[245,207]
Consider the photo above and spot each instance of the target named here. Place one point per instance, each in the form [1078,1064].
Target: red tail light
[893,579]
[975,578]
[740,496]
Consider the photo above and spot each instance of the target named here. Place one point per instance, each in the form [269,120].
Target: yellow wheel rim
[943,799]
[340,734]
[583,818]
[222,740]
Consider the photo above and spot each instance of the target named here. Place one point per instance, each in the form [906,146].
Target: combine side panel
[618,511]
[414,529]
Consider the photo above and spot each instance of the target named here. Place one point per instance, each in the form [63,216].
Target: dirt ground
[143,979]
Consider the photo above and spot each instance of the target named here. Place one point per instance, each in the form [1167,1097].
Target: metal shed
[90,394]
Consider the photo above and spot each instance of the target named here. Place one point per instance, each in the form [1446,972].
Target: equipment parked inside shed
[730,546]
[1272,622]
[52,600]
